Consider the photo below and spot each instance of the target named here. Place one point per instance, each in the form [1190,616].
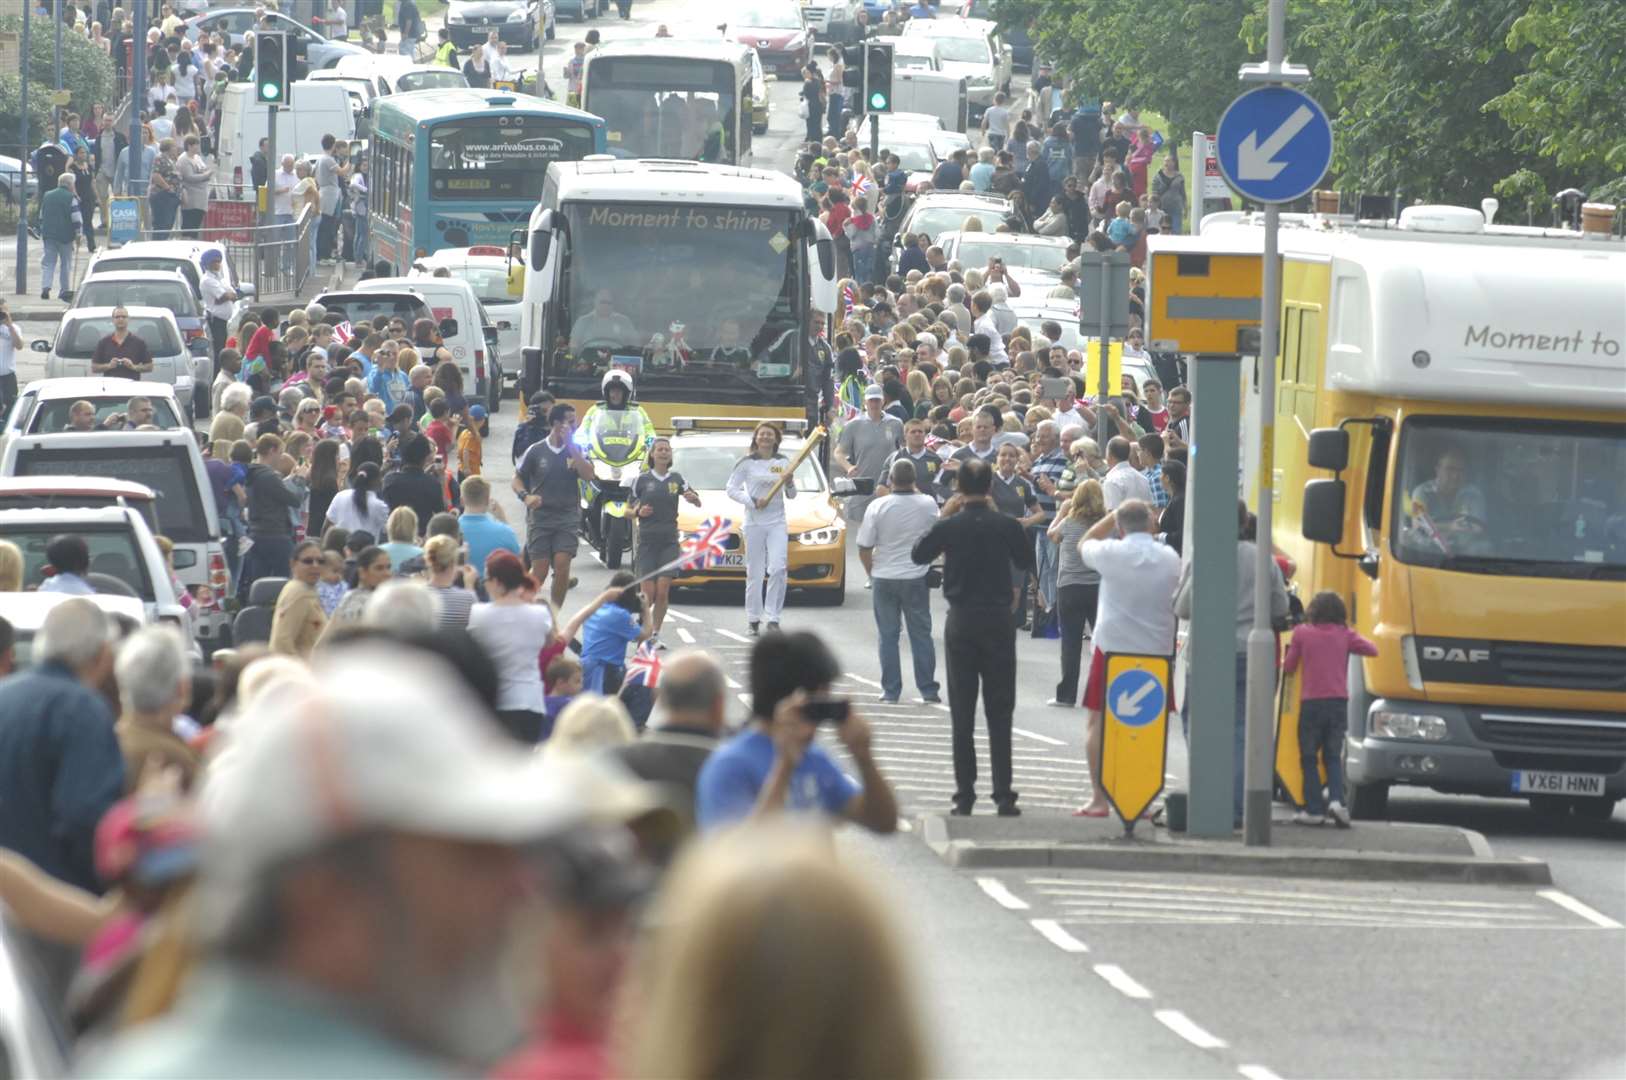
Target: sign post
[1211,185]
[1103,290]
[1135,735]
[1274,145]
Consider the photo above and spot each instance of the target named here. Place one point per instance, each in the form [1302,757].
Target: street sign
[1135,732]
[1210,181]
[123,219]
[1115,265]
[1274,144]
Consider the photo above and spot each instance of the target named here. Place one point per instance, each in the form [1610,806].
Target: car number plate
[732,560]
[1532,782]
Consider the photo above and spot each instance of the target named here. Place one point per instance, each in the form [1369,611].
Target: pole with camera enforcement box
[1102,418]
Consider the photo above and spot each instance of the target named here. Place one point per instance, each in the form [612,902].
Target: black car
[520,23]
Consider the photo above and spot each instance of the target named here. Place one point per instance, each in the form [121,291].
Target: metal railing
[276,259]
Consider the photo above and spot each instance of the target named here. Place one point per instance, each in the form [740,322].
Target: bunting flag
[645,666]
[704,547]
[342,333]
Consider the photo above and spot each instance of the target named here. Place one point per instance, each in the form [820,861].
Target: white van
[316,109]
[934,93]
[486,267]
[473,344]
[401,74]
[169,463]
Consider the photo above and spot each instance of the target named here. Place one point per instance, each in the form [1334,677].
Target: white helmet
[613,376]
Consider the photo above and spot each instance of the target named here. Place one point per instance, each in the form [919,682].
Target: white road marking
[861,679]
[1002,896]
[1257,1072]
[1570,903]
[1361,897]
[680,616]
[1120,980]
[1179,1023]
[905,825]
[1036,737]
[684,636]
[745,699]
[732,635]
[1058,937]
[733,683]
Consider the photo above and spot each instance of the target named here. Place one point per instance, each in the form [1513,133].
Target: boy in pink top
[1322,645]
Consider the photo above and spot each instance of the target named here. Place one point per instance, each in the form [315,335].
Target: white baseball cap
[373,743]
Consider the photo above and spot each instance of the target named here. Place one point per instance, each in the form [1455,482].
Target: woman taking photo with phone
[765,532]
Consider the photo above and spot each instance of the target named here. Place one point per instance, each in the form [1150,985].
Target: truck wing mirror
[1329,449]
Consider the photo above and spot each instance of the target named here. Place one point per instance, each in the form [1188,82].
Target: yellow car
[817,552]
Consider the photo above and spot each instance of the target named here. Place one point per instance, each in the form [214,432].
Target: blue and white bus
[457,168]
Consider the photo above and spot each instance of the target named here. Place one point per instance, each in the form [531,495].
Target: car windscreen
[79,336]
[167,469]
[150,262]
[941,219]
[1047,257]
[52,416]
[173,295]
[57,500]
[768,17]
[490,284]
[353,308]
[430,80]
[706,468]
[113,551]
[963,50]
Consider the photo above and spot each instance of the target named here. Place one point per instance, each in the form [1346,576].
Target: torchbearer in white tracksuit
[766,528]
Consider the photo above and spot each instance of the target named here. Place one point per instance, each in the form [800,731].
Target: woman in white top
[512,629]
[361,508]
[766,536]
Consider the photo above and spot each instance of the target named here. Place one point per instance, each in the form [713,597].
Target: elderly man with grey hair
[154,674]
[60,767]
[958,310]
[693,705]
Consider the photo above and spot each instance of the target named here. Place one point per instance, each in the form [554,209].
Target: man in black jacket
[979,636]
[259,167]
[412,485]
[271,501]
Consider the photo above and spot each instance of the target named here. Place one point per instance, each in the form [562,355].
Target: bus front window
[657,108]
[501,157]
[666,288]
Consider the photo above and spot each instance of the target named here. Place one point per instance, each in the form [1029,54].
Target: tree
[87,72]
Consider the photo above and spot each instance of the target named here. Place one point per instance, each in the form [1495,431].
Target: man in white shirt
[1123,481]
[996,122]
[218,298]
[982,306]
[1135,613]
[283,182]
[890,528]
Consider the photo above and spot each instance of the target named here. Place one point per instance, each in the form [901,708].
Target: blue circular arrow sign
[1274,144]
[1135,698]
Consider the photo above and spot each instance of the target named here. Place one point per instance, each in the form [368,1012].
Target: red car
[774,28]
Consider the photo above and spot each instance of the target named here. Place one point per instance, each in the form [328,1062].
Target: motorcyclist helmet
[616,377]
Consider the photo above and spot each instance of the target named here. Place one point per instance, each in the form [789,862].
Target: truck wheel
[615,539]
[1367,802]
[1601,808]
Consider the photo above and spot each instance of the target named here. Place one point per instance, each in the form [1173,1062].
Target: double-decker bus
[706,282]
[462,167]
[668,98]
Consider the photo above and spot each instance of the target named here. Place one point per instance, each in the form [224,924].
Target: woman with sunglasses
[298,622]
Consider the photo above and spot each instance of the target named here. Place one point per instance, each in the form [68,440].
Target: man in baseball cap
[361,872]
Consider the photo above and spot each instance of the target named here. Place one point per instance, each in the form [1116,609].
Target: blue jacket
[60,769]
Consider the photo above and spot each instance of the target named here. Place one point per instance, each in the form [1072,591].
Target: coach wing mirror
[448,328]
[490,333]
[822,269]
[1329,449]
[1323,518]
[40,345]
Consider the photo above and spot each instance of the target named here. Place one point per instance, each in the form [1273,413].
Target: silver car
[173,362]
[521,23]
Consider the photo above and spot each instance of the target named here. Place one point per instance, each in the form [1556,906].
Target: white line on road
[1002,896]
[678,615]
[732,635]
[866,682]
[1036,737]
[733,683]
[1058,937]
[1570,903]
[745,699]
[1120,980]
[685,637]
[1257,1072]
[1179,1023]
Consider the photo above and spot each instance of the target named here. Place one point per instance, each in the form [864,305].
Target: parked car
[972,49]
[761,103]
[833,20]
[938,212]
[183,256]
[168,462]
[71,352]
[161,289]
[485,268]
[42,406]
[235,22]
[402,74]
[1035,262]
[776,30]
[26,612]
[518,22]
[11,174]
[1016,35]
[582,10]
[124,557]
[78,492]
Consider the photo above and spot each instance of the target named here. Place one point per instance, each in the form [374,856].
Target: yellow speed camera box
[1203,298]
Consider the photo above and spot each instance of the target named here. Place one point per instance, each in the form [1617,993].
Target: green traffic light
[269,90]
[877,100]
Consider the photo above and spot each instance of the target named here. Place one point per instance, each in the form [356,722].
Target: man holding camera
[979,636]
[773,767]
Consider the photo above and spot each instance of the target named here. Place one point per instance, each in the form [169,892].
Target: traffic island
[1369,851]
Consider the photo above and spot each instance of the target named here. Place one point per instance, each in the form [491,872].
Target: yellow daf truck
[1450,457]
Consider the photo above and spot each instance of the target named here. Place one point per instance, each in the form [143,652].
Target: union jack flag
[342,333]
[849,299]
[645,666]
[704,547]
[862,184]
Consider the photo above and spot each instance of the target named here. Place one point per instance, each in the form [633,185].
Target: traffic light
[852,67]
[271,68]
[877,78]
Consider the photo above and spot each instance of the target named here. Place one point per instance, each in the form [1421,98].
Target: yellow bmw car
[817,552]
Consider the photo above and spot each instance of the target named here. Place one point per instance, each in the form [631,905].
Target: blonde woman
[11,567]
[739,912]
[451,580]
[589,724]
[402,531]
[1078,587]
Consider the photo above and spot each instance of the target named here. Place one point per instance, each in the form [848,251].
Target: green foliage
[39,113]
[87,72]
[1439,100]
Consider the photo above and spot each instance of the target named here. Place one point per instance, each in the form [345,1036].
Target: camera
[826,710]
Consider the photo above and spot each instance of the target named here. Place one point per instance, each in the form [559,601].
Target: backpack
[528,435]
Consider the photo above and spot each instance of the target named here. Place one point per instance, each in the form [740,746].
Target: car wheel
[1367,802]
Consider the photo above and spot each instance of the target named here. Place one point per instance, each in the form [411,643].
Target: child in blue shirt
[564,679]
[608,625]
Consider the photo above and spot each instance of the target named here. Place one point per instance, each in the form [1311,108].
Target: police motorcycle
[615,436]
